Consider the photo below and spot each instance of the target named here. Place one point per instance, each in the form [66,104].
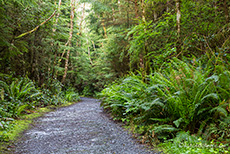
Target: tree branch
[31,31]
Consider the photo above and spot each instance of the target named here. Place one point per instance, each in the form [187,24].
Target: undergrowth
[20,96]
[179,97]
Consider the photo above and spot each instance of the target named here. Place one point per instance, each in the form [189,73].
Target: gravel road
[82,128]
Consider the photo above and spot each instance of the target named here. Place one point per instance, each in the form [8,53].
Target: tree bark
[54,30]
[178,25]
[91,62]
[113,14]
[69,40]
[226,11]
[143,9]
[155,15]
[128,15]
[136,9]
[82,18]
[119,7]
[143,53]
[167,8]
[104,28]
[57,16]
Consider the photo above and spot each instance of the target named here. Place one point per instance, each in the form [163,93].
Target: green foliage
[71,95]
[220,130]
[164,95]
[17,95]
[13,128]
[185,143]
[178,97]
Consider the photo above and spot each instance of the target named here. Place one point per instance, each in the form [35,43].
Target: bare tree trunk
[215,6]
[155,15]
[226,11]
[128,15]
[113,14]
[57,16]
[104,28]
[119,7]
[178,24]
[136,9]
[94,47]
[54,30]
[141,55]
[167,9]
[143,9]
[82,18]
[89,54]
[69,40]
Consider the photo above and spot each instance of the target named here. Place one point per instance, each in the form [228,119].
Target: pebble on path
[82,128]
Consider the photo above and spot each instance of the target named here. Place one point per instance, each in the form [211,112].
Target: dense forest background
[164,63]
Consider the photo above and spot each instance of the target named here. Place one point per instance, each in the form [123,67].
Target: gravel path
[81,128]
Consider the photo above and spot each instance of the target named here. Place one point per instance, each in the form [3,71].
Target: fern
[164,131]
[180,96]
[20,109]
[4,113]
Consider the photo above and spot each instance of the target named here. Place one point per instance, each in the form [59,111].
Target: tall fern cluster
[179,97]
[21,96]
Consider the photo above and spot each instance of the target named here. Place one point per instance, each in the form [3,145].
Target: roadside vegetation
[176,93]
[160,66]
[20,98]
[183,105]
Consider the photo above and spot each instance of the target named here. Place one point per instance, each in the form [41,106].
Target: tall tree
[72,3]
[178,24]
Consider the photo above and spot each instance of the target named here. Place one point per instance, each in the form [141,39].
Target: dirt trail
[81,128]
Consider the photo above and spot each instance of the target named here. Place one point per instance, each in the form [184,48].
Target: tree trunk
[155,15]
[167,8]
[69,40]
[226,11]
[119,7]
[104,28]
[89,53]
[128,15]
[136,9]
[178,24]
[82,18]
[57,16]
[56,50]
[143,53]
[113,14]
[143,9]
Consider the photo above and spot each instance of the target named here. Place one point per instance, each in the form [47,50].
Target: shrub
[71,95]
[179,97]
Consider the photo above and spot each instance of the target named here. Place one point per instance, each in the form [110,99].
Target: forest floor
[82,128]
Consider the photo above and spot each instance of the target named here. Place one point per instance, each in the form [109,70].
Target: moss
[23,123]
[18,126]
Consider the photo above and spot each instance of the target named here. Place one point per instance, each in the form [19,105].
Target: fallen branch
[31,31]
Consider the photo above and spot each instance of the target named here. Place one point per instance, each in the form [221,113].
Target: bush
[179,97]
[71,95]
[17,96]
